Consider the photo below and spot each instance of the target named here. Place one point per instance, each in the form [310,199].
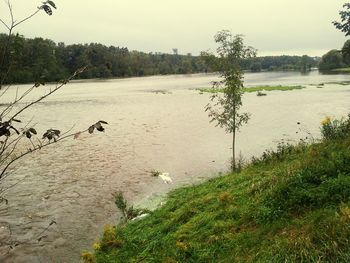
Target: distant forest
[41,59]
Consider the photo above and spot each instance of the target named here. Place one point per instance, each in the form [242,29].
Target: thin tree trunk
[233,151]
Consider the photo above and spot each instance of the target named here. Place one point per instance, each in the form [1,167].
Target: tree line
[281,63]
[335,59]
[39,59]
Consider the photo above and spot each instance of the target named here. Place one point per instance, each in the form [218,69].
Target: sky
[273,27]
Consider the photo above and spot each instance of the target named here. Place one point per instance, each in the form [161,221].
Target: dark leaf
[37,84]
[101,129]
[104,122]
[47,9]
[56,132]
[52,134]
[51,3]
[3,130]
[91,129]
[15,120]
[13,128]
[28,134]
[32,130]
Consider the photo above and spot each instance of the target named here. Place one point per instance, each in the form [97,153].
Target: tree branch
[35,149]
[8,28]
[48,94]
[25,19]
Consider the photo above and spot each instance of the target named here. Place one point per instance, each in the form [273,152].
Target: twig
[51,92]
[35,149]
[4,24]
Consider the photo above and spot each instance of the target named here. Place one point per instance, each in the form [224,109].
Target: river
[154,123]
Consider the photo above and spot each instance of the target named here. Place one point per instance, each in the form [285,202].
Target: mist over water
[154,123]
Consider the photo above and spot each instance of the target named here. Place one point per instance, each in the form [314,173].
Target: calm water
[73,182]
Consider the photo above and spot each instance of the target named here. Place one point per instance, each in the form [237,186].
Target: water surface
[154,123]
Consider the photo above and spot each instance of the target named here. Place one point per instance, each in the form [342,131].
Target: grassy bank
[291,205]
[255,89]
[341,70]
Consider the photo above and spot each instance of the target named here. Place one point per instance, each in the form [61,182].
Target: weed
[336,128]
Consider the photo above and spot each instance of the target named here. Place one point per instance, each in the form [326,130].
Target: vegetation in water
[254,89]
[128,212]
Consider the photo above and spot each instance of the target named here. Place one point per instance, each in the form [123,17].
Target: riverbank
[289,205]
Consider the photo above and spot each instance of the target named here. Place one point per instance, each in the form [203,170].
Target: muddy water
[154,123]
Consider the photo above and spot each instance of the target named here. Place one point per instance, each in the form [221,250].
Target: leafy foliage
[336,128]
[346,52]
[41,60]
[344,24]
[98,126]
[331,60]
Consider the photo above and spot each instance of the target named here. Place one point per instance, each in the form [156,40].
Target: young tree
[18,137]
[226,105]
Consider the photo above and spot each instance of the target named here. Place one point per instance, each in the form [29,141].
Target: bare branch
[11,13]
[12,104]
[35,149]
[49,93]
[9,154]
[25,19]
[4,92]
[2,191]
[4,24]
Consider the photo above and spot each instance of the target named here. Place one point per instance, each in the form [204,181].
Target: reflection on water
[154,123]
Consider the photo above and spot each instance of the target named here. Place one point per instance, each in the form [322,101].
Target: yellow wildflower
[88,257]
[96,246]
[326,121]
[181,245]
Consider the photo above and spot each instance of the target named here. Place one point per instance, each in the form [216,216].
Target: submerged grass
[255,89]
[291,205]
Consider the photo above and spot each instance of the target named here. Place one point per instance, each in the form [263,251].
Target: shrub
[336,128]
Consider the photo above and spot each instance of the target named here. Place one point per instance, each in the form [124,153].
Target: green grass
[341,70]
[291,205]
[255,89]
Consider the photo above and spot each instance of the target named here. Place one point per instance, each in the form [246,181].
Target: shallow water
[154,123]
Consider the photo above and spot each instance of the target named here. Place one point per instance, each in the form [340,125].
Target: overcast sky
[274,27]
